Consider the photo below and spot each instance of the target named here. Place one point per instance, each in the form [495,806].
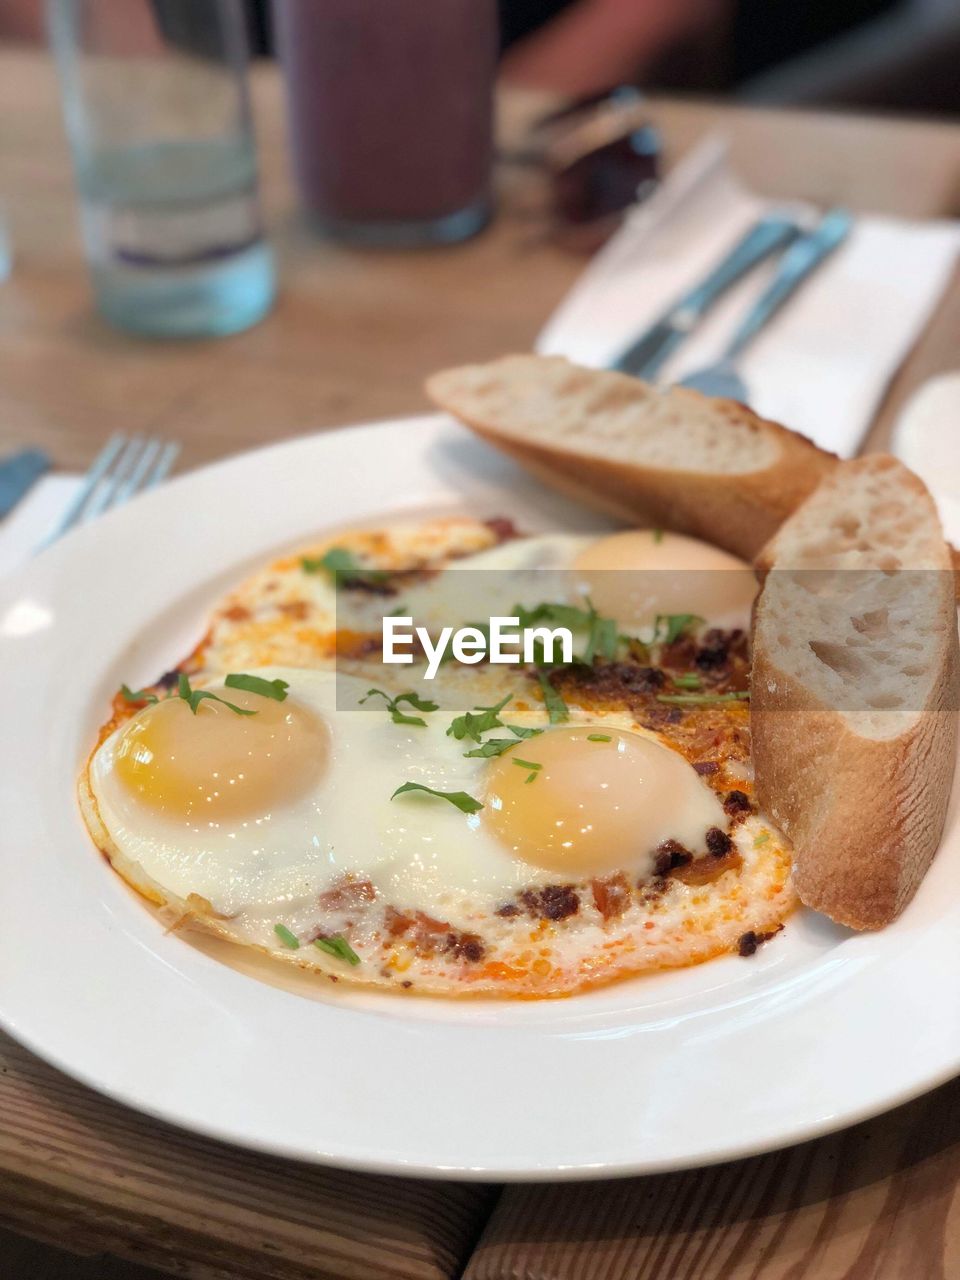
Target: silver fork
[123,467]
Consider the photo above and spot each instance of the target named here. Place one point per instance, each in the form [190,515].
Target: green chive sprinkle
[337,946]
[286,937]
[599,737]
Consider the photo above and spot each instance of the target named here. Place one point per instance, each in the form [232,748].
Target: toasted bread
[856,676]
[671,458]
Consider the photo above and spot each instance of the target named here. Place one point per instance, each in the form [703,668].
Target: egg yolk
[639,573]
[601,801]
[217,765]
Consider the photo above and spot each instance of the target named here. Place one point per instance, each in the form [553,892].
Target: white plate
[820,1029]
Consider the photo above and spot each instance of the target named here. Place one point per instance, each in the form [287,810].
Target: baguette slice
[856,679]
[671,458]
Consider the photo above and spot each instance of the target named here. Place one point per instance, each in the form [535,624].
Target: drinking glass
[157,112]
[390,104]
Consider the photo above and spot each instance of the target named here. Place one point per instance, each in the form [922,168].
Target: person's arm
[598,43]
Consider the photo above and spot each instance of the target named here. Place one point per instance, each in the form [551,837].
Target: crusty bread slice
[672,458]
[856,675]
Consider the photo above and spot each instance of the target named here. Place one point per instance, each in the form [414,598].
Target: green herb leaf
[599,737]
[459,799]
[472,725]
[602,634]
[762,838]
[702,699]
[523,731]
[337,946]
[275,689]
[603,639]
[137,695]
[393,705]
[552,700]
[286,937]
[493,747]
[531,777]
[689,681]
[564,615]
[338,560]
[193,697]
[658,535]
[673,626]
[528,764]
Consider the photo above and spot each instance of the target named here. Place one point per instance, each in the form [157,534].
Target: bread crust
[738,511]
[865,815]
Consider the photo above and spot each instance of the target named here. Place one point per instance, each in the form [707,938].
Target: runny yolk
[595,806]
[217,765]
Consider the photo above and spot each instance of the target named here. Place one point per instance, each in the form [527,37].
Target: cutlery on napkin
[823,364]
[18,474]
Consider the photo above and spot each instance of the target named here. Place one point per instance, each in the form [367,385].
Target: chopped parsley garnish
[669,627]
[533,767]
[275,689]
[137,695]
[337,946]
[493,747]
[193,697]
[459,799]
[393,706]
[599,737]
[564,615]
[762,838]
[702,699]
[338,560]
[471,724]
[689,681]
[554,703]
[286,937]
[603,639]
[603,636]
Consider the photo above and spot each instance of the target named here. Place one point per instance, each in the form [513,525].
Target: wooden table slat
[119,1182]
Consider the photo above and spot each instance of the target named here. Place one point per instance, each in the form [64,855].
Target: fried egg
[286,615]
[529,856]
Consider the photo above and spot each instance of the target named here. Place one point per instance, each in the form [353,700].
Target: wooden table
[351,338]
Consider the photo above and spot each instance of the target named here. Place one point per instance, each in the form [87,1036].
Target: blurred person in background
[898,53]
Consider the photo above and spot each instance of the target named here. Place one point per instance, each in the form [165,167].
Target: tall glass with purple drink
[391,114]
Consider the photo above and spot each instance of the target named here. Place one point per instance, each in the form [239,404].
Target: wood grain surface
[351,338]
[89,1175]
[880,1201]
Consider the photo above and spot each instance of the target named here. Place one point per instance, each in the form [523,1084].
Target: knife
[17,475]
[644,357]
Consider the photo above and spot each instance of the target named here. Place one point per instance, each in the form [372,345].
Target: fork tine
[164,464]
[106,493]
[95,473]
[135,479]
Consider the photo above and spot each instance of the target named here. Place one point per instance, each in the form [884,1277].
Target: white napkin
[34,517]
[823,364]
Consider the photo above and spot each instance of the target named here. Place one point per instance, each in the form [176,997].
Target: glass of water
[158,116]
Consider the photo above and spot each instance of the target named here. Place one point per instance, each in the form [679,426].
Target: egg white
[419,852]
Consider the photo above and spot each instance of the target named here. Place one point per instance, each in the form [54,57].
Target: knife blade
[17,476]
[646,356]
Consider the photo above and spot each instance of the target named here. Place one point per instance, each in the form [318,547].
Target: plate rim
[432,427]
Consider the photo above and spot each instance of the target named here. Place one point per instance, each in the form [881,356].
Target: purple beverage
[391,114]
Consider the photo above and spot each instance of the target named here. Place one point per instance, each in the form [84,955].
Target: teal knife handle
[801,259]
[768,236]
